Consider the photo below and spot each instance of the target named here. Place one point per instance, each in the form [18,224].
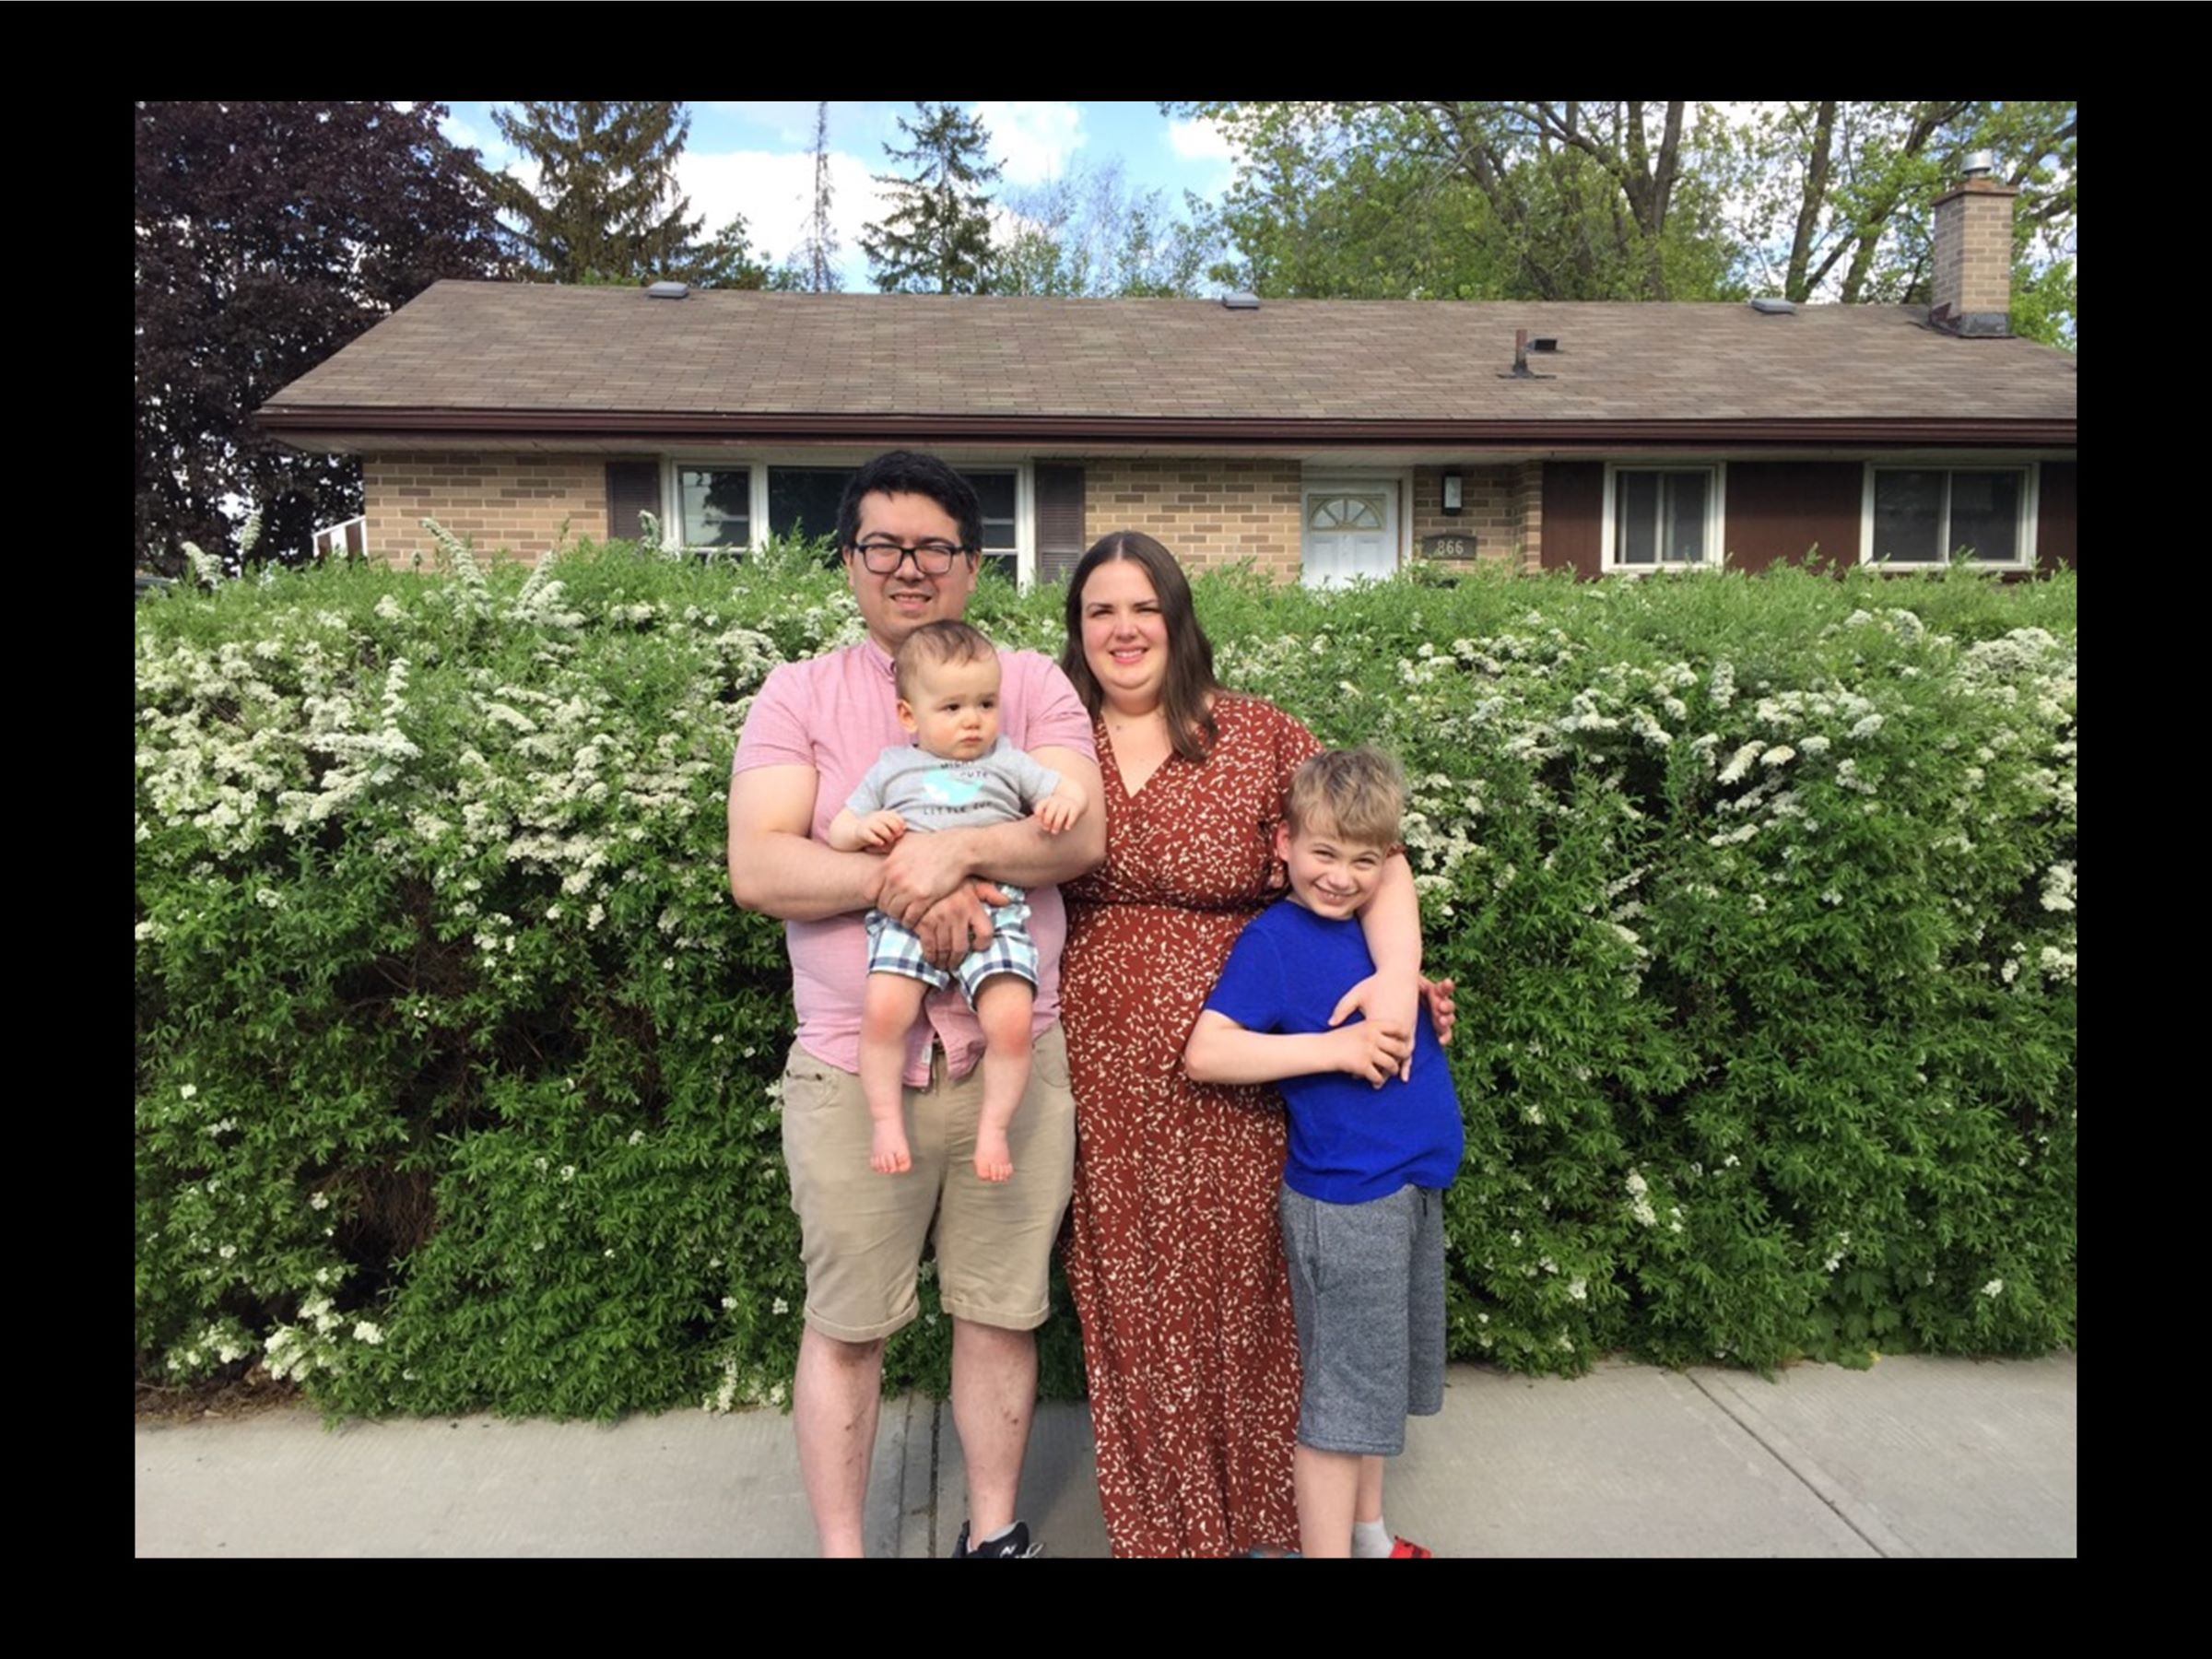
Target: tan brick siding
[519,503]
[1205,510]
[1973,265]
[1490,510]
[1528,506]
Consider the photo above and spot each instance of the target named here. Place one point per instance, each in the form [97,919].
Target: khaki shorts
[861,1234]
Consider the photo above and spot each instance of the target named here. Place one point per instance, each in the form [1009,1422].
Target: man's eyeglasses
[884,558]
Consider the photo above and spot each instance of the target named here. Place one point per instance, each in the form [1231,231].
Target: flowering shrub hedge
[456,1066]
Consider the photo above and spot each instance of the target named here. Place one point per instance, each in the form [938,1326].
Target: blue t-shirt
[1350,1142]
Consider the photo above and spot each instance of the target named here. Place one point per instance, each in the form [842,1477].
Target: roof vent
[1240,301]
[1979,164]
[667,291]
[1773,308]
[1545,343]
[1521,370]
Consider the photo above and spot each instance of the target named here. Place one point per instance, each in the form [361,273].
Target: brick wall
[1490,510]
[1971,269]
[1528,512]
[1205,510]
[517,502]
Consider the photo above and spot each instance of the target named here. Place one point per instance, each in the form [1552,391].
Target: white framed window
[740,504]
[1919,515]
[1664,518]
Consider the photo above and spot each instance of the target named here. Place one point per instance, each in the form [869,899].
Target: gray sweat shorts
[1367,1285]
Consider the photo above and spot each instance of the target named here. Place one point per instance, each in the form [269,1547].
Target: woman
[1174,1253]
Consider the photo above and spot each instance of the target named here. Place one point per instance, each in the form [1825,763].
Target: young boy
[1362,1197]
[958,773]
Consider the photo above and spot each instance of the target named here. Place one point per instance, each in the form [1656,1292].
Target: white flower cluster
[1639,1202]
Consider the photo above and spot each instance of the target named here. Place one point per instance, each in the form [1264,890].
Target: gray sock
[1370,1540]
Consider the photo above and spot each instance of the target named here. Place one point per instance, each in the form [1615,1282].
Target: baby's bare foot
[994,1158]
[889,1155]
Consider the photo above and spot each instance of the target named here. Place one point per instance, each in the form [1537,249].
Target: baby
[957,773]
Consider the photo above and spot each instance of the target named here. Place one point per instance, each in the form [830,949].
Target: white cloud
[1033,141]
[1200,138]
[775,192]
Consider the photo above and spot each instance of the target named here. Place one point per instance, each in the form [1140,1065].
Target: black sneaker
[1014,1542]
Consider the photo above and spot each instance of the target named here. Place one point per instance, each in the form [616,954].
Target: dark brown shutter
[632,486]
[1059,520]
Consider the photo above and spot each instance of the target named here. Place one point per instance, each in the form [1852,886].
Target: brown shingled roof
[484,357]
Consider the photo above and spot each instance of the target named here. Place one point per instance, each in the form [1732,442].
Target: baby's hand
[880,830]
[1365,1049]
[1057,812]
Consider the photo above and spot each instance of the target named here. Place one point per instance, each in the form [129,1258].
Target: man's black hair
[909,472]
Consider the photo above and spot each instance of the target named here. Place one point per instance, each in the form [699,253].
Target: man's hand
[919,872]
[1365,1049]
[1390,1002]
[956,923]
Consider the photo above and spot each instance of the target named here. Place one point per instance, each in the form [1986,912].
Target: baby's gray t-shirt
[998,786]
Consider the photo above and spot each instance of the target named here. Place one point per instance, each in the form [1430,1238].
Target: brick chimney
[1972,292]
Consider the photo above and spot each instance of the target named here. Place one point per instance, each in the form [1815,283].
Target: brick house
[1320,440]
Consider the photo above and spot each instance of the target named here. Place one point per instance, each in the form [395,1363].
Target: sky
[755,158]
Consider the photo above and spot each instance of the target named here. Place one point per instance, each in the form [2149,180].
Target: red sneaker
[1404,1550]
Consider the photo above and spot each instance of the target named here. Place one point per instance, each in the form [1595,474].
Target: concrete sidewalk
[1916,1457]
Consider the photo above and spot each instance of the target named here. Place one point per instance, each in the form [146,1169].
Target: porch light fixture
[1452,492]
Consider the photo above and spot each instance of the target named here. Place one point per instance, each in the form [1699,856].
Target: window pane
[1908,509]
[717,506]
[1636,518]
[1683,528]
[802,501]
[1986,515]
[995,492]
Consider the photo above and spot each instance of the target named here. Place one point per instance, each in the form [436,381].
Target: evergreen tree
[607,204]
[729,260]
[937,237]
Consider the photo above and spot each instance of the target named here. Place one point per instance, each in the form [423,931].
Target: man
[909,532]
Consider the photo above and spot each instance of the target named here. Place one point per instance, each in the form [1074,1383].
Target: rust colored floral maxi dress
[1174,1250]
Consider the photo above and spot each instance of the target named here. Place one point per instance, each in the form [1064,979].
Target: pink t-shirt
[835,714]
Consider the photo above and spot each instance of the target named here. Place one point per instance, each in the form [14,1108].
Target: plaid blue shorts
[893,948]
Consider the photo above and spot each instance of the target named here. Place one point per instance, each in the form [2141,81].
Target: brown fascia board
[363,425]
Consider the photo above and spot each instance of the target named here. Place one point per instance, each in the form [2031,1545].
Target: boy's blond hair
[935,643]
[1358,792]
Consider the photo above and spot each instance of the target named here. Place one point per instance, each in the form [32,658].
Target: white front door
[1351,531]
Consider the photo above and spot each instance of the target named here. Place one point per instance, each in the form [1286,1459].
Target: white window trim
[2031,513]
[1716,517]
[1025,495]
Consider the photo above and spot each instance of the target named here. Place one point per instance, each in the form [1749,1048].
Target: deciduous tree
[1089,234]
[268,235]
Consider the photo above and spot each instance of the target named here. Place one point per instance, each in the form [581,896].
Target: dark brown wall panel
[2055,516]
[1059,504]
[632,486]
[1574,516]
[1779,509]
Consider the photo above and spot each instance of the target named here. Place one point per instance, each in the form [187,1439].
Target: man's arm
[922,869]
[776,867]
[1221,1050]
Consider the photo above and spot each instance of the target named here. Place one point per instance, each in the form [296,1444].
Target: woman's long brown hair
[1188,692]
